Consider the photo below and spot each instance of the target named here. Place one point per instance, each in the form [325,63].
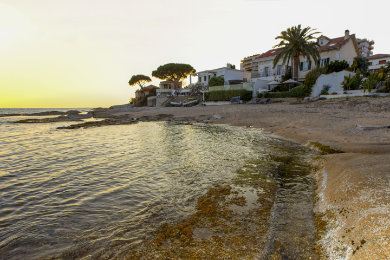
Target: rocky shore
[353,193]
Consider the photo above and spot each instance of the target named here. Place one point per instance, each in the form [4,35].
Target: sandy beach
[353,187]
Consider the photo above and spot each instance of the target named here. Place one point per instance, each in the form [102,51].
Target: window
[370,63]
[209,77]
[205,78]
[324,62]
[266,71]
[304,65]
[279,70]
[200,79]
[382,62]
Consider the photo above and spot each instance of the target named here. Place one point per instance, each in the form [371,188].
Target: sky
[82,53]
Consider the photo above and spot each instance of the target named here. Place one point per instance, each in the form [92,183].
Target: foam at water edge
[334,248]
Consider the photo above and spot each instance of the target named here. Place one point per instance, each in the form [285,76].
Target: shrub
[216,81]
[298,92]
[325,90]
[387,86]
[361,64]
[336,66]
[226,95]
[284,94]
[371,82]
[352,83]
[281,88]
[311,78]
[140,102]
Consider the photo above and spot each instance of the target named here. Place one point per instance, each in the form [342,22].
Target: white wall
[269,62]
[259,85]
[333,80]
[232,75]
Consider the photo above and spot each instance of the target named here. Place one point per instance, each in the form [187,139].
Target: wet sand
[353,187]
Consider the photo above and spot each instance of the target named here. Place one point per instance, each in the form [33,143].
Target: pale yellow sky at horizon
[75,53]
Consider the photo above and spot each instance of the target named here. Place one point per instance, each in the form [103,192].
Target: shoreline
[355,201]
[353,205]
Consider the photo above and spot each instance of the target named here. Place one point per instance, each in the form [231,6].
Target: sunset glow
[72,53]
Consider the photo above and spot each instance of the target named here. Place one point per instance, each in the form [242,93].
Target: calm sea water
[102,191]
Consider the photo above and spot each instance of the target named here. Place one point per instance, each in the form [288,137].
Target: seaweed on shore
[325,149]
[230,221]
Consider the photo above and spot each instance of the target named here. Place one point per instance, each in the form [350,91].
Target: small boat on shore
[176,104]
[190,103]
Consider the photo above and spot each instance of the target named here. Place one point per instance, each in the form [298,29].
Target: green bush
[284,94]
[360,64]
[281,88]
[311,78]
[371,82]
[352,83]
[226,95]
[325,90]
[336,66]
[298,92]
[216,81]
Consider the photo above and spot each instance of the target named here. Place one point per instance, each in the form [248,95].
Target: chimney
[346,36]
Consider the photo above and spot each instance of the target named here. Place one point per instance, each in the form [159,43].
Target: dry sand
[354,187]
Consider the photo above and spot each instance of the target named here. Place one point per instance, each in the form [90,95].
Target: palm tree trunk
[295,68]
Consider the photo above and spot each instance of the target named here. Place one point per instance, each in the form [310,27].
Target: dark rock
[46,120]
[73,112]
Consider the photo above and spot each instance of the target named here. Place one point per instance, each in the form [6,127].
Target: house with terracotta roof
[146,91]
[337,49]
[377,61]
[331,49]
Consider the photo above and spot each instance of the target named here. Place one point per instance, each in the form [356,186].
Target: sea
[152,190]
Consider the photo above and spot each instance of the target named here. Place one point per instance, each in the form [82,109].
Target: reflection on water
[102,192]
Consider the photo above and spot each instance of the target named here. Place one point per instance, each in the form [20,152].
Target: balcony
[272,73]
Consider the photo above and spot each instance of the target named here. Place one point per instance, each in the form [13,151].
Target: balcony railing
[272,72]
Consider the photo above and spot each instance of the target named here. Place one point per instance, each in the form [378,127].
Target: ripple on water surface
[103,191]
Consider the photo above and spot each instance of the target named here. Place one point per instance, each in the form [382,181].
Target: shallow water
[101,192]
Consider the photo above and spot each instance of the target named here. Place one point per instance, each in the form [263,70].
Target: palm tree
[296,41]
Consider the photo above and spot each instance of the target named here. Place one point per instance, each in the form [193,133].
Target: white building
[377,61]
[231,76]
[365,47]
[336,49]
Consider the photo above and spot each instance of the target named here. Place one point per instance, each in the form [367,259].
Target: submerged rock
[105,122]
[46,120]
[46,113]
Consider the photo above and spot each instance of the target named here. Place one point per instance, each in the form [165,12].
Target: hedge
[226,95]
[298,92]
